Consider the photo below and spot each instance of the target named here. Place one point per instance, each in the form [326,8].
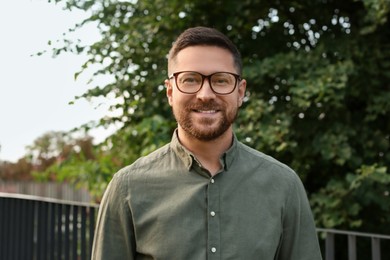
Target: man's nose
[206,91]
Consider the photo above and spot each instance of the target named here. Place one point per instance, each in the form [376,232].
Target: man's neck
[208,153]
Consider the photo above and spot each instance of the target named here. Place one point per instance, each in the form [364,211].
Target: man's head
[205,36]
[204,88]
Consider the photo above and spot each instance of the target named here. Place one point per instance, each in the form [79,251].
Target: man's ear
[169,90]
[241,91]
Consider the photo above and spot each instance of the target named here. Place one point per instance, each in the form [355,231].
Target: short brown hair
[207,37]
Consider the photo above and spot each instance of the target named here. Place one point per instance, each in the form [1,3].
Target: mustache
[212,105]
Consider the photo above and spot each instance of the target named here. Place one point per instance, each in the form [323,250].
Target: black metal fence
[370,245]
[38,228]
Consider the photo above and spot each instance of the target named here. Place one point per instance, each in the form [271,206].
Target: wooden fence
[55,190]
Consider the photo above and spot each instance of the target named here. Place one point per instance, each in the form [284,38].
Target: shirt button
[213,250]
[212,213]
[212,181]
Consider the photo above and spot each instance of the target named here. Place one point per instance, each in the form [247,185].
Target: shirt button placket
[213,224]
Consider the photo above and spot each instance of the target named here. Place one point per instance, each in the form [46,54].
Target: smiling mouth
[206,111]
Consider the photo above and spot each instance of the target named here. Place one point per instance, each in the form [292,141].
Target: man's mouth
[206,111]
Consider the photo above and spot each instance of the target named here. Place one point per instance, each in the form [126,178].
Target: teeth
[207,111]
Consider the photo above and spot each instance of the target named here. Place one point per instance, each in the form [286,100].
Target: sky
[35,91]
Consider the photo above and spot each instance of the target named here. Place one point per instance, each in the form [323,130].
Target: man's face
[204,115]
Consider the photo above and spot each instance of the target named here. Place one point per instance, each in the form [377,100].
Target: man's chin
[205,134]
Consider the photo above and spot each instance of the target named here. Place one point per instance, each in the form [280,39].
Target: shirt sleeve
[299,239]
[114,233]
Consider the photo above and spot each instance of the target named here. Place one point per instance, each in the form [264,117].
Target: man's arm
[299,240]
[114,234]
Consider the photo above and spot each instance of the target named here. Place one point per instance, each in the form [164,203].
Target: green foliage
[83,172]
[318,92]
[377,15]
[350,200]
[63,157]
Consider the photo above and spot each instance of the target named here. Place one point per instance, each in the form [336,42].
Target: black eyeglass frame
[208,77]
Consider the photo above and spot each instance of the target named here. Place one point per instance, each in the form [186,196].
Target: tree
[72,157]
[21,170]
[318,97]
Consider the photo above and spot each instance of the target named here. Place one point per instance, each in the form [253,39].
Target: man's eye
[189,80]
[221,80]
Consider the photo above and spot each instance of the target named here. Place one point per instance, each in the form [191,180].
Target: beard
[205,129]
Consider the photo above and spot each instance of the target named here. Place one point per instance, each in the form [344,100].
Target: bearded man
[205,195]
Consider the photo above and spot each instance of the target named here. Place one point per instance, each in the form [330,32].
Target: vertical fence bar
[23,226]
[9,228]
[376,248]
[83,233]
[39,230]
[91,227]
[4,223]
[16,228]
[52,231]
[45,210]
[29,231]
[329,246]
[351,247]
[75,231]
[42,230]
[67,232]
[59,231]
[2,228]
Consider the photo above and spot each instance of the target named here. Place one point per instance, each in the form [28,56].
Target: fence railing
[40,228]
[330,248]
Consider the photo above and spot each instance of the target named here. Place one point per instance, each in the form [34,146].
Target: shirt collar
[186,156]
[189,158]
[230,154]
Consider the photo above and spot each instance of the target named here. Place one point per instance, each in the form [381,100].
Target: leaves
[346,202]
[377,15]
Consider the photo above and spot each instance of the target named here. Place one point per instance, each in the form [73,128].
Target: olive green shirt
[165,206]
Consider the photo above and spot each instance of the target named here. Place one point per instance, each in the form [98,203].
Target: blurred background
[82,93]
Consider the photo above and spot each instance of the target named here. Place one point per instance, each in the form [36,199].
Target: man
[205,195]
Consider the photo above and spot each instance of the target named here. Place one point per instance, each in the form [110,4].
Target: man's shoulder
[253,155]
[147,163]
[140,171]
[266,167]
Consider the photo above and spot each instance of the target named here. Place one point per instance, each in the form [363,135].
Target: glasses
[190,82]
